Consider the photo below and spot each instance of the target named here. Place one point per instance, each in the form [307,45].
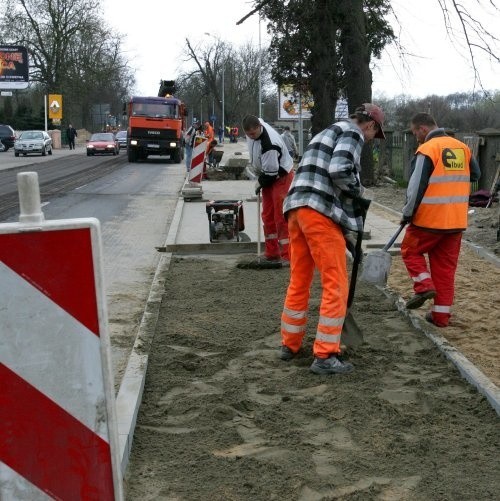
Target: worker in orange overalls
[269,155]
[323,208]
[437,201]
[210,135]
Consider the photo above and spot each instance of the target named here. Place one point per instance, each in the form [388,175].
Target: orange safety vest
[446,199]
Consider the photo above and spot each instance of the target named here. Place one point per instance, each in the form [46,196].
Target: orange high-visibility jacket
[446,199]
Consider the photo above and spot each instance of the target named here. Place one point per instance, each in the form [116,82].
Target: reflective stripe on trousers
[315,242]
[273,220]
[442,250]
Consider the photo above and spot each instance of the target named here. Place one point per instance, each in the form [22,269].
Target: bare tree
[71,50]
[240,68]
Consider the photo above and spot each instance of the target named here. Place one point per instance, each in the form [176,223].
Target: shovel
[352,336]
[378,263]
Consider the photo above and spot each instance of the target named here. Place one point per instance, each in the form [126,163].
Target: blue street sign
[213,118]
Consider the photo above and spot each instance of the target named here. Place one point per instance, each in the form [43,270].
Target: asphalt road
[134,204]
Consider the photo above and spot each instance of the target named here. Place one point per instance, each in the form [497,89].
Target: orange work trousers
[315,242]
[443,250]
[273,220]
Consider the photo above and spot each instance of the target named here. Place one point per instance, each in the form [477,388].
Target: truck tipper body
[156,125]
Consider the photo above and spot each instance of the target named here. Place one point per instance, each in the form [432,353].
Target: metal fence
[396,152]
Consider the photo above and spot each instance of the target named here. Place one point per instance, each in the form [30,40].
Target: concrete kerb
[466,368]
[131,389]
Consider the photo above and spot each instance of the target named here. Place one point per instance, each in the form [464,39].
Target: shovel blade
[352,335]
[376,267]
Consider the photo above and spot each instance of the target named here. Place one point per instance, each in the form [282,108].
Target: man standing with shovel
[323,207]
[437,202]
[270,156]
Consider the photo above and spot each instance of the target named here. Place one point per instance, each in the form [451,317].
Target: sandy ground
[474,327]
[223,419]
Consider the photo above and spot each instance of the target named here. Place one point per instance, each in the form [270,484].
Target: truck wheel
[16,154]
[176,157]
[132,157]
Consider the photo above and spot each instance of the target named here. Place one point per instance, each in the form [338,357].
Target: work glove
[258,187]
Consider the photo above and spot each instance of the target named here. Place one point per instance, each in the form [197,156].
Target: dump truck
[156,125]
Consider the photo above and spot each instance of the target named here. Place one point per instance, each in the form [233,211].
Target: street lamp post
[260,73]
[223,121]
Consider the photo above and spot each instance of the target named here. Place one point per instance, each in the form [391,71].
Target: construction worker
[269,155]
[289,140]
[437,201]
[323,207]
[210,135]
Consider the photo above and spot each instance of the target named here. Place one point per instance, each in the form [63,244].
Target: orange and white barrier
[58,435]
[198,160]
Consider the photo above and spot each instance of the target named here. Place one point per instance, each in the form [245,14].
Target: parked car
[33,141]
[7,136]
[103,142]
[121,137]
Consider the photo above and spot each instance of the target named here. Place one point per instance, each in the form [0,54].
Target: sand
[223,419]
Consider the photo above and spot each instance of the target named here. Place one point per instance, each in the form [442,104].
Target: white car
[33,141]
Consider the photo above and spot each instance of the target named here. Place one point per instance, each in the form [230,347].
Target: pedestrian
[189,138]
[289,141]
[437,201]
[71,134]
[323,207]
[269,155]
[221,134]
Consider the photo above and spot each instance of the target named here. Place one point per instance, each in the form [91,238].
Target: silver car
[121,137]
[33,141]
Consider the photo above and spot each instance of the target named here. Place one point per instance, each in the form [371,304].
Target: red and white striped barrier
[198,160]
[58,435]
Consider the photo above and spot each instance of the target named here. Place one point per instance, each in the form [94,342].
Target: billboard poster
[288,103]
[13,67]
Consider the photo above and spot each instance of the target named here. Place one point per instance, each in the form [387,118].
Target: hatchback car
[7,137]
[33,141]
[121,137]
[103,143]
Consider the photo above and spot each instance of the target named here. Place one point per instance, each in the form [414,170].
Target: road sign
[55,106]
[58,432]
[213,118]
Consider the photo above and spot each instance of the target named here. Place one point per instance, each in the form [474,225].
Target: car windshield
[122,133]
[157,110]
[104,136]
[30,134]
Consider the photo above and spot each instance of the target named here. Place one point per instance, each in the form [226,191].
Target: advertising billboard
[13,67]
[288,103]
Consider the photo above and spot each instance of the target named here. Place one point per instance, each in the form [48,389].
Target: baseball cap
[376,114]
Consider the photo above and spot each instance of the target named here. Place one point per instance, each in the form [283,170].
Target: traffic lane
[55,178]
[53,168]
[135,206]
[9,161]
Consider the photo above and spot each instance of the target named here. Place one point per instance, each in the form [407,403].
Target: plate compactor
[225,220]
